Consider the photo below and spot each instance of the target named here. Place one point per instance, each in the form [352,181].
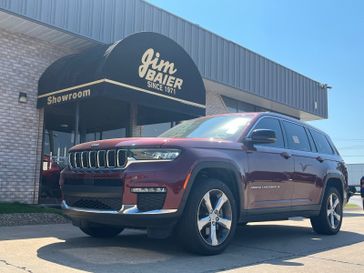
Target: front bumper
[127,216]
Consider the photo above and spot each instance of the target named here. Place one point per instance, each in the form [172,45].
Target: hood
[155,142]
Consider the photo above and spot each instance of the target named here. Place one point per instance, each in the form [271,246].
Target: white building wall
[355,173]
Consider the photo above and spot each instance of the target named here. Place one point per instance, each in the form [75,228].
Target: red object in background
[50,178]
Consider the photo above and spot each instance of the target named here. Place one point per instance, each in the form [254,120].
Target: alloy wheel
[334,211]
[214,217]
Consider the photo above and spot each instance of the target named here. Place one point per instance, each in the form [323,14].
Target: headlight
[153,154]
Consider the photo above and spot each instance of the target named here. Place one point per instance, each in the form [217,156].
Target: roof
[218,59]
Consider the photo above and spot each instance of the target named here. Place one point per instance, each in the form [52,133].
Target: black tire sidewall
[190,231]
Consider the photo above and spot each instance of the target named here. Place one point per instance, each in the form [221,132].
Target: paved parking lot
[288,246]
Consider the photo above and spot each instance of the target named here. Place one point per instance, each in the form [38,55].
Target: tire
[195,226]
[329,220]
[101,231]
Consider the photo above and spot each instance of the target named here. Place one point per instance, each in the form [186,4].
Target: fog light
[142,190]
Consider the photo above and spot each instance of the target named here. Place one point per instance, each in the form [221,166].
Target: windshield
[217,127]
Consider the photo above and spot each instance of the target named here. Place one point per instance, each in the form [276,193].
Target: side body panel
[269,178]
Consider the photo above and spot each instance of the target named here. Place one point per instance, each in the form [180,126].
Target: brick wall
[214,103]
[22,60]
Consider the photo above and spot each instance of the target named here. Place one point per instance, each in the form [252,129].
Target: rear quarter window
[322,144]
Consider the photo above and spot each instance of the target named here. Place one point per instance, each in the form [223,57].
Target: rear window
[296,137]
[322,144]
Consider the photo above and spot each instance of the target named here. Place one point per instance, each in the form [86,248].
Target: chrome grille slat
[110,154]
[120,163]
[98,159]
[92,159]
[84,158]
[78,160]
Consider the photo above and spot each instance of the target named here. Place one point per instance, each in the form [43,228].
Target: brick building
[34,34]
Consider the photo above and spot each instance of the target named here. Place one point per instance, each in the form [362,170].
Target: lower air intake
[94,203]
[150,201]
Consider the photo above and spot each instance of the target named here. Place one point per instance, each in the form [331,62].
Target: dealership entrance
[139,86]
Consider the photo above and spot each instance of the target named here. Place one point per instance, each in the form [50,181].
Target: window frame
[305,130]
[280,126]
[313,144]
[333,150]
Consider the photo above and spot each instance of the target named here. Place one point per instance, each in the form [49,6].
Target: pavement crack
[334,260]
[266,249]
[287,256]
[23,268]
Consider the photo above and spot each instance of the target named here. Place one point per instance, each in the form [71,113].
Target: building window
[153,130]
[236,106]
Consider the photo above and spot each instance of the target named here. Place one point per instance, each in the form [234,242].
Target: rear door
[270,167]
[326,156]
[307,165]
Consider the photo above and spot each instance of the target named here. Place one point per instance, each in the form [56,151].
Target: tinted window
[321,142]
[296,137]
[272,124]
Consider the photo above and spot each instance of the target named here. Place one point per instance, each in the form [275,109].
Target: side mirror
[261,136]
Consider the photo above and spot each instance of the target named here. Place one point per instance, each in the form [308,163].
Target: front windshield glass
[226,127]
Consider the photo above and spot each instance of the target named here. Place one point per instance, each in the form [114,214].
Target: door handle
[320,159]
[286,155]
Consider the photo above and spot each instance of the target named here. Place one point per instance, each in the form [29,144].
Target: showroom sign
[55,99]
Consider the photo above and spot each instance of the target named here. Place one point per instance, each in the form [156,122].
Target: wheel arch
[336,180]
[225,171]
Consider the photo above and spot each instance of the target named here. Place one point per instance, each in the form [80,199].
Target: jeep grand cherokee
[205,176]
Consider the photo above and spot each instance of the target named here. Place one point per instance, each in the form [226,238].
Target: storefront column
[76,139]
[133,130]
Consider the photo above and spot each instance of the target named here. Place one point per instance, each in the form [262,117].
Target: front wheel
[101,231]
[209,219]
[330,218]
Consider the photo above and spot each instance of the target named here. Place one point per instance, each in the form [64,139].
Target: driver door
[270,169]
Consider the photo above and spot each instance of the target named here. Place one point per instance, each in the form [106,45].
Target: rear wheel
[330,218]
[101,231]
[209,219]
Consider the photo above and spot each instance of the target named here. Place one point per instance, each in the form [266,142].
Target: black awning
[145,68]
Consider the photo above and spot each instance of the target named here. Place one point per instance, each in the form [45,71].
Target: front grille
[98,159]
[150,201]
[94,203]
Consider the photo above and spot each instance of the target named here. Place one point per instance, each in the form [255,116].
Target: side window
[272,124]
[312,143]
[322,144]
[296,137]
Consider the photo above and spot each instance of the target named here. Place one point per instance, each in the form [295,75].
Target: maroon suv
[205,176]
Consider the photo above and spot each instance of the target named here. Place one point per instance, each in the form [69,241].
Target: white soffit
[57,37]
